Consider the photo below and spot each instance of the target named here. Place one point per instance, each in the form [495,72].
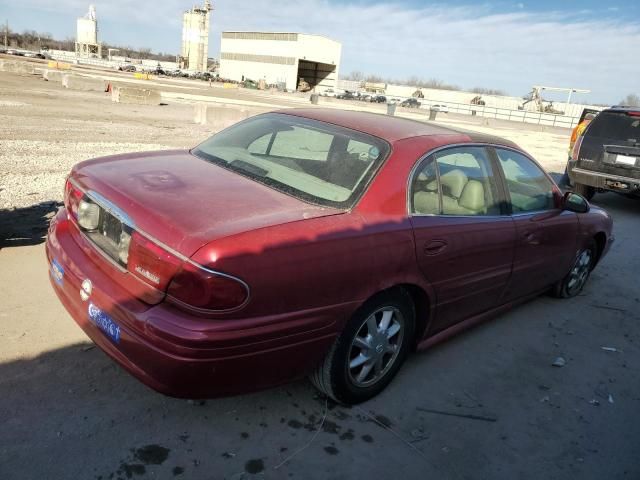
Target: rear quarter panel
[317,263]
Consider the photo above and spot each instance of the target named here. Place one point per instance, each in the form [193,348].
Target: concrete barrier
[52,75]
[135,96]
[59,65]
[142,76]
[219,117]
[21,68]
[85,84]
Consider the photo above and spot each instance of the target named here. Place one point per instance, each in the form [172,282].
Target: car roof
[390,128]
[620,108]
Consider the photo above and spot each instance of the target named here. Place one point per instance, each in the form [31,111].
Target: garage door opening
[317,75]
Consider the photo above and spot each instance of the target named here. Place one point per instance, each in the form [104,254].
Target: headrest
[455,180]
[472,197]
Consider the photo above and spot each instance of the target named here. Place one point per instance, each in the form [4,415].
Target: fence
[523,116]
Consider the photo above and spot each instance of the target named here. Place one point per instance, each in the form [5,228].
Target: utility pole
[6,34]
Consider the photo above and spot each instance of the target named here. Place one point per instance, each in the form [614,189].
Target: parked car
[364,97]
[346,96]
[329,92]
[440,108]
[310,242]
[127,68]
[411,103]
[378,99]
[607,155]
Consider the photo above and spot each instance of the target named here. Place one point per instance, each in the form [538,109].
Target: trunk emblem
[86,289]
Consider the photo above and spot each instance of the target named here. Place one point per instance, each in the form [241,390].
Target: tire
[573,283]
[343,375]
[586,191]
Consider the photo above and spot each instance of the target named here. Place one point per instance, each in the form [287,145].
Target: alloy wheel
[579,272]
[376,346]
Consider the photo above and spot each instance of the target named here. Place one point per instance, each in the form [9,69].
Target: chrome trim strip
[118,213]
[110,208]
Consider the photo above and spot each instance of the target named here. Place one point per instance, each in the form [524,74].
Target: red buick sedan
[310,242]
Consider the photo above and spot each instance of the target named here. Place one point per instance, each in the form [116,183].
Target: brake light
[72,198]
[633,114]
[202,289]
[189,285]
[576,148]
[150,262]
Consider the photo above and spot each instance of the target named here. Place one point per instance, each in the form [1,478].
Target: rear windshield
[616,126]
[313,161]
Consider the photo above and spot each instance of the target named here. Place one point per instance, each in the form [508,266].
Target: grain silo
[195,38]
[87,35]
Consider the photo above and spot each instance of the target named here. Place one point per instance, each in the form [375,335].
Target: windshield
[314,161]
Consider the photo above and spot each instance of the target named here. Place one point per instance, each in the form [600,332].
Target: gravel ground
[47,129]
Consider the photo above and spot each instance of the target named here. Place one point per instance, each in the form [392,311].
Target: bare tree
[355,76]
[33,40]
[487,91]
[631,100]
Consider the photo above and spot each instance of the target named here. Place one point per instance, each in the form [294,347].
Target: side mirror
[575,203]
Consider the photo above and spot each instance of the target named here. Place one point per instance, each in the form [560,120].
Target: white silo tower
[87,35]
[195,38]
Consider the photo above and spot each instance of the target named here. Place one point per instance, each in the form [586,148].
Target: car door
[546,234]
[464,237]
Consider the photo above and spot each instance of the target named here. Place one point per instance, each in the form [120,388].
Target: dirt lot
[486,405]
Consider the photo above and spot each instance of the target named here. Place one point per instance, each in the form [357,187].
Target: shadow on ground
[26,226]
[75,404]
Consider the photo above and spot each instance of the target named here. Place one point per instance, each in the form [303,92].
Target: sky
[506,45]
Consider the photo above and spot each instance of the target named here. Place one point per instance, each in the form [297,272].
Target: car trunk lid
[183,201]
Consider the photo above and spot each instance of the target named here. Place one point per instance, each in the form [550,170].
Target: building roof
[282,33]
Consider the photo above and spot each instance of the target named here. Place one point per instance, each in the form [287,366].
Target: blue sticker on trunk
[104,322]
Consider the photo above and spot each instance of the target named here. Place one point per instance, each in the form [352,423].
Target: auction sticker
[104,322]
[57,272]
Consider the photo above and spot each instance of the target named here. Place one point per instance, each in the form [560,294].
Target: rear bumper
[604,181]
[184,356]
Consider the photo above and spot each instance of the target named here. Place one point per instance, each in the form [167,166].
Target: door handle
[532,238]
[434,247]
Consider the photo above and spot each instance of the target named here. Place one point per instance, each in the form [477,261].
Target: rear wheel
[577,277]
[370,350]
[586,191]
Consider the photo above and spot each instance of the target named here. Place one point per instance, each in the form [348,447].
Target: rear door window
[457,181]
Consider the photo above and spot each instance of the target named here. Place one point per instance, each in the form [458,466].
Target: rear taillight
[189,285]
[633,114]
[203,289]
[72,197]
[150,262]
[576,148]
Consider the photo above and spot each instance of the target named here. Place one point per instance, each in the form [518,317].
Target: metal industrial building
[195,38]
[280,58]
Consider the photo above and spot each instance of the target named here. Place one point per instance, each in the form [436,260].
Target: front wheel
[369,352]
[577,277]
